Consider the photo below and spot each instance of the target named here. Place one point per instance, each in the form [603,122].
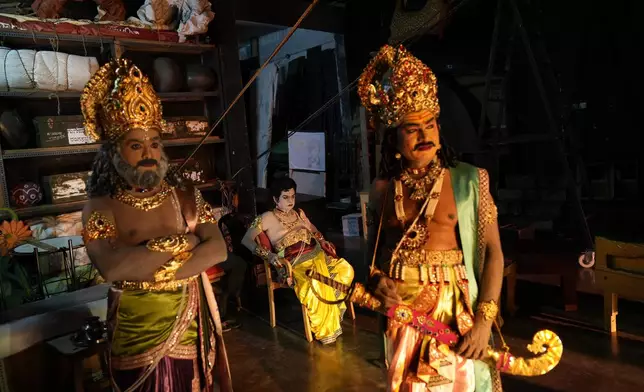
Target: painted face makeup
[141,160]
[286,201]
[418,138]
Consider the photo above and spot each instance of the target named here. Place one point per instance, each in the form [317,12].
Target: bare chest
[445,215]
[135,226]
[275,230]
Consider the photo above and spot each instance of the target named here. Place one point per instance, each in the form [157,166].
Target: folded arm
[212,247]
[210,251]
[114,260]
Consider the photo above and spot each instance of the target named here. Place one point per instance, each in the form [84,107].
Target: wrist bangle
[167,271]
[262,252]
[175,244]
[488,309]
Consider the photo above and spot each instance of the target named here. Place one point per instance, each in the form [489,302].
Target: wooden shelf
[138,45]
[47,209]
[11,36]
[33,38]
[54,209]
[165,97]
[89,148]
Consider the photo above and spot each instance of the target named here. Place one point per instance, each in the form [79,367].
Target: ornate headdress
[396,83]
[117,99]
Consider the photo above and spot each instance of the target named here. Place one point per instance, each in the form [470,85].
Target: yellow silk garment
[145,320]
[417,362]
[325,319]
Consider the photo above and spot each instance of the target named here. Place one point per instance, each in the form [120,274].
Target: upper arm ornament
[257,223]
[98,227]
[205,212]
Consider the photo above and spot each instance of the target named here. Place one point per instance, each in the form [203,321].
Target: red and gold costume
[305,250]
[434,285]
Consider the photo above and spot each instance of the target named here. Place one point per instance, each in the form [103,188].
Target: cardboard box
[65,188]
[185,127]
[60,131]
[351,225]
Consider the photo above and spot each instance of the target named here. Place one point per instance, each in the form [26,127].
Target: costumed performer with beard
[439,250]
[152,239]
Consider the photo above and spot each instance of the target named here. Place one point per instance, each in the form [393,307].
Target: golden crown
[396,83]
[117,99]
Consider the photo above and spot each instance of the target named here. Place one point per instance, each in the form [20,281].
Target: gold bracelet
[262,252]
[175,244]
[488,309]
[167,271]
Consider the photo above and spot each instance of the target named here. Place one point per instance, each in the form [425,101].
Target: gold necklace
[281,218]
[145,203]
[422,185]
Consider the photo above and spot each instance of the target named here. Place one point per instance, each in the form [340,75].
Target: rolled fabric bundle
[17,69]
[50,71]
[79,71]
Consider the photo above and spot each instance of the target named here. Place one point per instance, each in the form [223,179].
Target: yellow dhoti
[325,319]
[434,284]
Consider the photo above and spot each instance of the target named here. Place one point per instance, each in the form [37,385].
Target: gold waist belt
[174,285]
[428,266]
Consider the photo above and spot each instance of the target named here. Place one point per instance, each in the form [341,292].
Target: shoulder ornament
[98,227]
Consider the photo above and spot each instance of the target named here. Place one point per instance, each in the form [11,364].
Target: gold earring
[398,156]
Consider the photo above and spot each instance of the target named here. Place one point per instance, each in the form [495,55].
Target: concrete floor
[280,359]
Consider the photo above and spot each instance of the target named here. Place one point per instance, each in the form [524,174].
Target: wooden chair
[619,270]
[272,285]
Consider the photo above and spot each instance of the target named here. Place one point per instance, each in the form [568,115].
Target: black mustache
[147,162]
[419,145]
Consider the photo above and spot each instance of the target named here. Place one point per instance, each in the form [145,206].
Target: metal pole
[71,263]
[42,287]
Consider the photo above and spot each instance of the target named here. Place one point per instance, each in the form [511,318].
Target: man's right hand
[386,292]
[274,260]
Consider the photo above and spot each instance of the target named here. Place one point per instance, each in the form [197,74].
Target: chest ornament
[145,203]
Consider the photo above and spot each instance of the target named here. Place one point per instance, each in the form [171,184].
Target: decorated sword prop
[546,345]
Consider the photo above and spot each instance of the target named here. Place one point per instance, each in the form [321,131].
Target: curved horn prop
[545,343]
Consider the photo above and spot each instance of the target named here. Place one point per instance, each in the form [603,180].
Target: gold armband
[205,212]
[98,227]
[488,309]
[262,252]
[168,270]
[175,244]
[257,223]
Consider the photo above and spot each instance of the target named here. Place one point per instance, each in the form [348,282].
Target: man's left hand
[475,343]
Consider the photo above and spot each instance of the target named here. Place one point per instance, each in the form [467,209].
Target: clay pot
[167,75]
[13,129]
[200,78]
[26,194]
